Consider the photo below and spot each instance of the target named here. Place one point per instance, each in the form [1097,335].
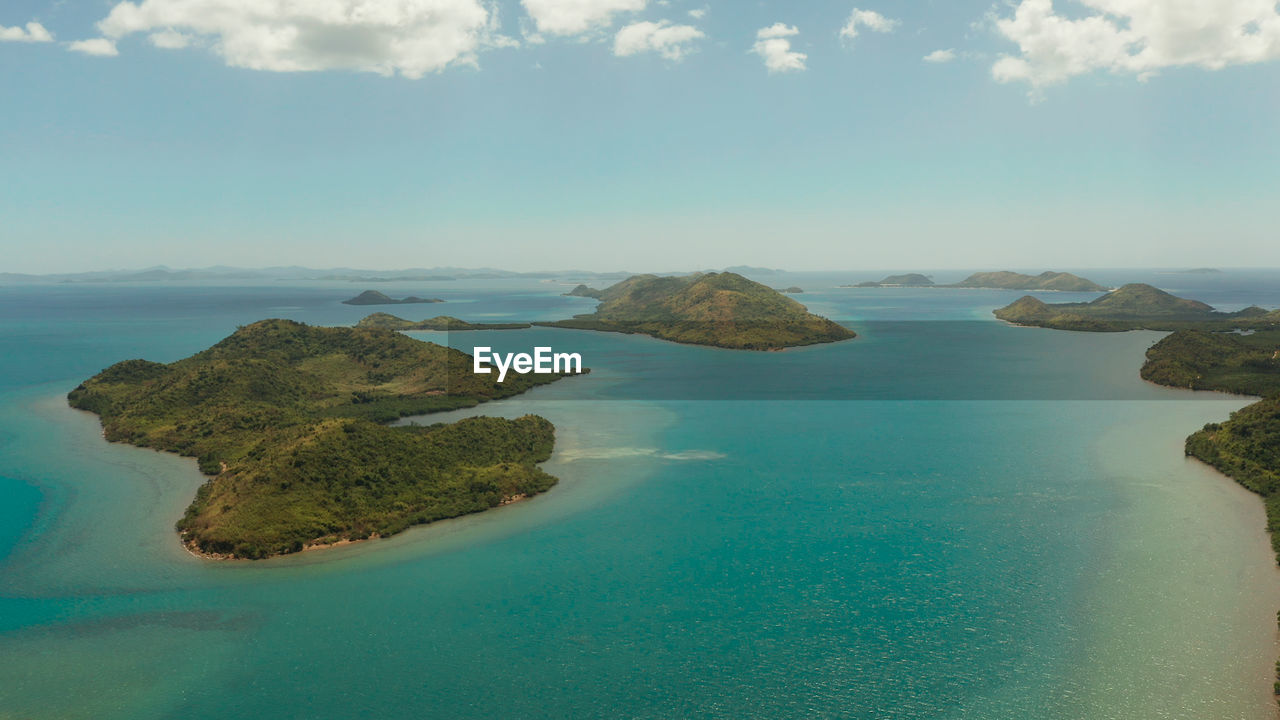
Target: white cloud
[170,40]
[410,37]
[698,13]
[869,19]
[574,17]
[773,45]
[101,47]
[940,56]
[669,41]
[1138,37]
[34,32]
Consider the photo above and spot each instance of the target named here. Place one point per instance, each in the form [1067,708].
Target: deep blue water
[929,521]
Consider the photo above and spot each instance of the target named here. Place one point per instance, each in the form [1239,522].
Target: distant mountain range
[224,273]
[161,273]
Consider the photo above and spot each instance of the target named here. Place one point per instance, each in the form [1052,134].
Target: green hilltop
[1006,280]
[718,309]
[1135,306]
[286,417]
[583,291]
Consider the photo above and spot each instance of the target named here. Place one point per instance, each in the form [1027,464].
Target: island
[718,309]
[289,421]
[583,291]
[1060,281]
[440,323]
[793,290]
[907,280]
[1136,306]
[373,297]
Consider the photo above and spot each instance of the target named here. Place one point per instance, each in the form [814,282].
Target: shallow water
[948,517]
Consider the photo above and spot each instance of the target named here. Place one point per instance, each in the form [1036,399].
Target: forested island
[583,291]
[907,280]
[373,297]
[1136,306]
[1060,281]
[440,322]
[718,309]
[287,419]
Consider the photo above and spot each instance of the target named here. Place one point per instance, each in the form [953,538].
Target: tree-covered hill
[1224,361]
[718,309]
[1133,307]
[283,416]
[1005,280]
[373,297]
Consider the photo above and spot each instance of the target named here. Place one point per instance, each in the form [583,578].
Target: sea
[947,517]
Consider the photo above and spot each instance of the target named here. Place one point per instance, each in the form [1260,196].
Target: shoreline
[1259,499]
[1190,550]
[312,546]
[953,287]
[729,348]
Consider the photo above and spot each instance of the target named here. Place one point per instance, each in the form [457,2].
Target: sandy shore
[314,545]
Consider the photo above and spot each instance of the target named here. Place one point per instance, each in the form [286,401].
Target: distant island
[373,297]
[752,270]
[907,280]
[286,418]
[793,290]
[1136,306]
[583,291]
[440,322]
[1004,280]
[718,309]
[1197,271]
[1061,281]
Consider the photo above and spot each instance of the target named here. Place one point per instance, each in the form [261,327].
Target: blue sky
[400,133]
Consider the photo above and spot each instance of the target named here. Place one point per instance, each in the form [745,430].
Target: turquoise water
[947,518]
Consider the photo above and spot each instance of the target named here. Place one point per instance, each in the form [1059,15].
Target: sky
[639,134]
